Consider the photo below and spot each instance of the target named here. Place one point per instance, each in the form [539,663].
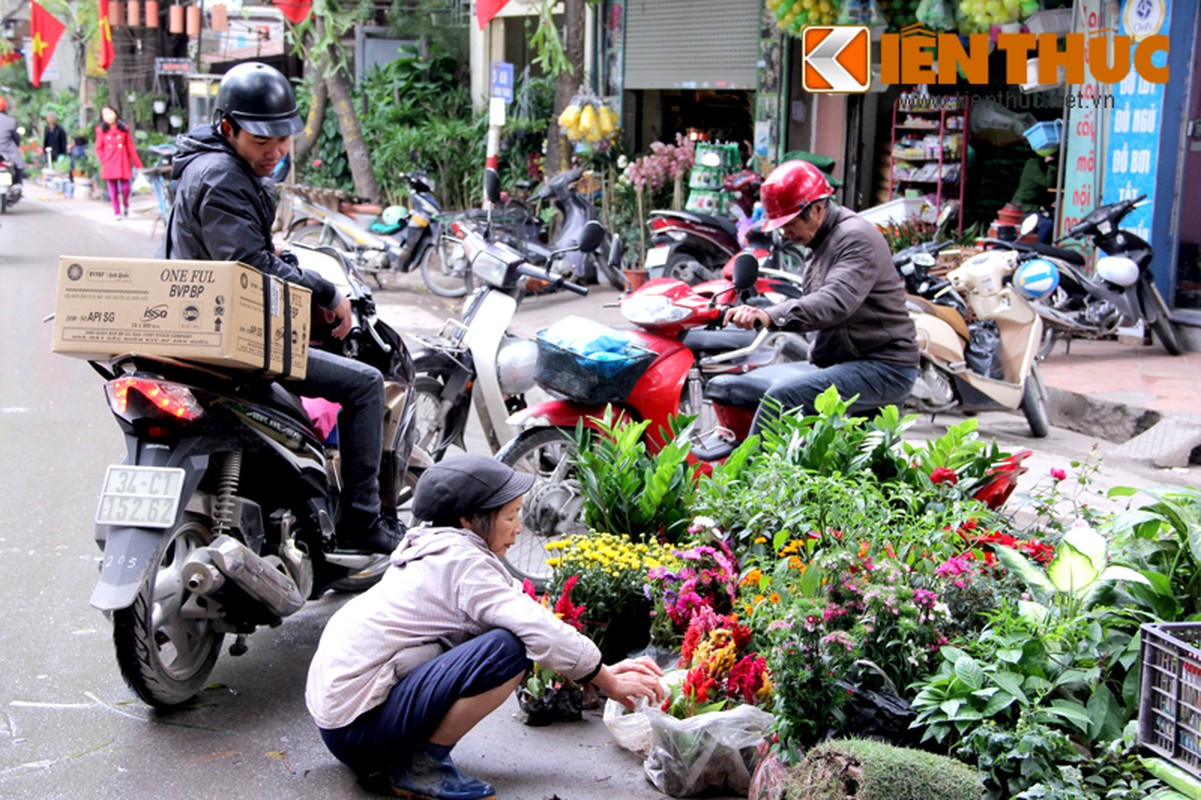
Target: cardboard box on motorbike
[213,312]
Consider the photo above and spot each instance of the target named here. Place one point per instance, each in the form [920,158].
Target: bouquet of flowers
[706,577]
[546,696]
[609,573]
[718,667]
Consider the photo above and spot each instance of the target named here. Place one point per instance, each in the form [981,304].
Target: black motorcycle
[223,515]
[1122,294]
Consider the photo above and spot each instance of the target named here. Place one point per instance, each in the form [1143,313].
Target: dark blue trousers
[380,739]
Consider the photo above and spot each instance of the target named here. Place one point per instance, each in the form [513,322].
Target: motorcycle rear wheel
[165,657]
[1162,326]
[445,270]
[317,235]
[686,267]
[427,416]
[604,269]
[553,508]
[1034,404]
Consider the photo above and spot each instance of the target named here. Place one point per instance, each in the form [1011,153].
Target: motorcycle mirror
[1029,224]
[949,209]
[492,185]
[616,252]
[592,236]
[746,271]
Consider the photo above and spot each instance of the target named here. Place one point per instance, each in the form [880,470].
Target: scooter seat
[725,224]
[945,313]
[288,402]
[707,343]
[1070,256]
[747,389]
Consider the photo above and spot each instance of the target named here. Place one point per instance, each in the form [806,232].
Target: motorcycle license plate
[147,497]
[657,256]
[6,179]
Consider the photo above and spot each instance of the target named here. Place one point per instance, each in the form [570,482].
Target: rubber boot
[432,775]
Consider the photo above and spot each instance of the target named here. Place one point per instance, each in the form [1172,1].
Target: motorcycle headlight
[652,310]
[489,268]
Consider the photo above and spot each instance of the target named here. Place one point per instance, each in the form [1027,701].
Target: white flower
[622,162]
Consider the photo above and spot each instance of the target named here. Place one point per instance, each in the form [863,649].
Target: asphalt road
[70,728]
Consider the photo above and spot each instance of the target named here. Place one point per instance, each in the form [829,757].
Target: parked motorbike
[10,190]
[575,212]
[1123,293]
[420,245]
[223,515]
[670,378]
[694,247]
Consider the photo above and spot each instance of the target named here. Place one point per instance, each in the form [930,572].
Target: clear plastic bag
[718,749]
[630,729]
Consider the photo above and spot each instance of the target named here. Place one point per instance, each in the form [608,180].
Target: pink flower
[316,162]
[1058,474]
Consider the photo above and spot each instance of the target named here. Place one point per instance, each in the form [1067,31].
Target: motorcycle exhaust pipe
[227,558]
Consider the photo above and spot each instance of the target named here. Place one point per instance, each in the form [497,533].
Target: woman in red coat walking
[117,156]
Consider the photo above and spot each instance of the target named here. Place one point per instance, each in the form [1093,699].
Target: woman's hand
[628,680]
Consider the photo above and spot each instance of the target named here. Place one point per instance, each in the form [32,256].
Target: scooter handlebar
[560,281]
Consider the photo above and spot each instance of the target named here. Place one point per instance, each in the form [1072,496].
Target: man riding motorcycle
[223,211]
[10,141]
[852,298]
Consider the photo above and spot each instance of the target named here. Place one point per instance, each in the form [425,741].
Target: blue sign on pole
[502,80]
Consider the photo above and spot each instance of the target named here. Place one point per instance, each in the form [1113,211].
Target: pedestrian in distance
[79,151]
[10,141]
[54,140]
[223,210]
[405,670]
[853,301]
[117,156]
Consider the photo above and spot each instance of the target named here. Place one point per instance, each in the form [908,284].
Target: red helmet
[789,189]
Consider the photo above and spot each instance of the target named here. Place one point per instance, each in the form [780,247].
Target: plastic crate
[1044,134]
[1169,701]
[1057,20]
[589,380]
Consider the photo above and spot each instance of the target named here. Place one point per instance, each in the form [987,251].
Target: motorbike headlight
[652,310]
[489,268]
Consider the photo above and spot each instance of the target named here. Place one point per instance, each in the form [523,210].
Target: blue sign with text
[502,80]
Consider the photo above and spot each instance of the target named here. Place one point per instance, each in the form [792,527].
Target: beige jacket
[444,588]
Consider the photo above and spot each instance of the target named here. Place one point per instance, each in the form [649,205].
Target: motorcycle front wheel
[1162,326]
[165,656]
[1034,404]
[427,416]
[445,269]
[553,508]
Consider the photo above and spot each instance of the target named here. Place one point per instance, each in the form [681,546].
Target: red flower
[944,475]
[568,611]
[746,678]
[1004,480]
[1058,474]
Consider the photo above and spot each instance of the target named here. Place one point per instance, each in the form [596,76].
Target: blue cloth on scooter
[590,339]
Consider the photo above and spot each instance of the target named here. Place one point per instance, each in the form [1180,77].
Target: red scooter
[681,350]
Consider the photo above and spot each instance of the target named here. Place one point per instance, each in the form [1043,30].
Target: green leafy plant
[627,488]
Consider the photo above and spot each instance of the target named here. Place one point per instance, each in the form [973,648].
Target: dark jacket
[223,212]
[55,141]
[10,141]
[853,297]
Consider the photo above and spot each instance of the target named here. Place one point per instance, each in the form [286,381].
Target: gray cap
[466,484]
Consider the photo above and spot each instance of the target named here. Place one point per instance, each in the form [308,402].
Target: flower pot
[635,278]
[176,120]
[160,106]
[564,704]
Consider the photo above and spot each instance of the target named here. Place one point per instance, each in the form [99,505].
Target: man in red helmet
[865,344]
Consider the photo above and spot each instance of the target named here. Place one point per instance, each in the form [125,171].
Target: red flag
[106,36]
[297,11]
[45,31]
[485,10]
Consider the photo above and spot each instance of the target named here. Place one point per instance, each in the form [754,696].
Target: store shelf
[939,146]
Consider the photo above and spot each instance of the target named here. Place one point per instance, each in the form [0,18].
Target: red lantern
[116,14]
[133,11]
[175,19]
[193,17]
[151,13]
[219,19]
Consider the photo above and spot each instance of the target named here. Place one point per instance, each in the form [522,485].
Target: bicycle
[159,177]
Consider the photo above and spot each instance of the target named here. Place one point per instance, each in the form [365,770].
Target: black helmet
[259,99]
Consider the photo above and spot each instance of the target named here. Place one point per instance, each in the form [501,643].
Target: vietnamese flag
[106,36]
[45,31]
[485,10]
[297,11]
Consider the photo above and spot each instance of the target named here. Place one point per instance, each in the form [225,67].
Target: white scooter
[1010,344]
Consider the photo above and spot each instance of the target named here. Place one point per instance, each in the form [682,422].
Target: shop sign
[1132,148]
[1082,166]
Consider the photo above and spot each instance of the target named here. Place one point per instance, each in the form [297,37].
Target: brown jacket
[853,297]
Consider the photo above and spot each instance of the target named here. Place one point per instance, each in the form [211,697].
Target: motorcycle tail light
[171,399]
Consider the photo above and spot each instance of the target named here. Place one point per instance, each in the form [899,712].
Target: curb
[1163,439]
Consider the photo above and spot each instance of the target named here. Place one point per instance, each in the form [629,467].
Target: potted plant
[546,696]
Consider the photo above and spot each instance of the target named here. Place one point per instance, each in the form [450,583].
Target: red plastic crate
[1169,705]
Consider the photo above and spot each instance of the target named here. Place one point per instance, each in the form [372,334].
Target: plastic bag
[983,352]
[937,15]
[717,749]
[140,184]
[630,729]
